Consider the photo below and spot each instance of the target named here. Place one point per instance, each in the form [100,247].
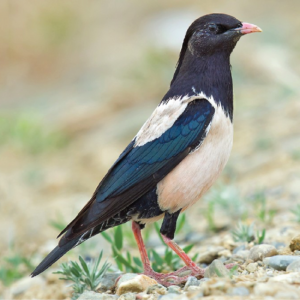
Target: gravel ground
[71,101]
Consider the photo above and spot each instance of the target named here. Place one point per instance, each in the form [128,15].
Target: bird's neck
[210,75]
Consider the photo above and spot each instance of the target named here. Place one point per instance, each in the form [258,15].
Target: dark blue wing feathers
[143,161]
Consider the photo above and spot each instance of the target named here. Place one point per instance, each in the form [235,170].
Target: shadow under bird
[177,154]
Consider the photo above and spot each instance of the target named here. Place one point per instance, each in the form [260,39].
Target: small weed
[264,214]
[85,276]
[28,134]
[296,212]
[13,268]
[233,271]
[245,233]
[260,236]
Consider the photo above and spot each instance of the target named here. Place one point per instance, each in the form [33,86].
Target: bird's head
[212,34]
[216,33]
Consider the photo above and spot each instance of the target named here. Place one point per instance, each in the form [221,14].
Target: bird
[177,154]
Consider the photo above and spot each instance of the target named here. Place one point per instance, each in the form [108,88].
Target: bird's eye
[212,27]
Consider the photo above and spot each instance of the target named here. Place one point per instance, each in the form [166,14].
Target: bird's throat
[210,75]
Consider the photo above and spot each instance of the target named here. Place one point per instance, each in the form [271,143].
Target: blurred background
[79,78]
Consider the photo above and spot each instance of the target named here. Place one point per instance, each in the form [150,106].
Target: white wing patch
[163,118]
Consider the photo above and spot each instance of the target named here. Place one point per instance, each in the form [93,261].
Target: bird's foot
[176,277]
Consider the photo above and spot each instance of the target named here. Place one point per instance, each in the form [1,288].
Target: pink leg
[170,278]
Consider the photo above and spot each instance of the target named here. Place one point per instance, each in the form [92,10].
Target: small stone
[244,254]
[275,289]
[251,267]
[193,288]
[292,278]
[170,296]
[295,243]
[174,289]
[239,248]
[259,252]
[280,262]
[192,281]
[108,282]
[24,284]
[134,283]
[216,268]
[127,296]
[208,256]
[157,289]
[238,291]
[294,266]
[90,295]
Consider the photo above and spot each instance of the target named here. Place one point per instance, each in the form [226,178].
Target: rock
[90,295]
[251,267]
[216,268]
[284,290]
[172,296]
[259,252]
[294,266]
[192,281]
[239,248]
[238,291]
[292,278]
[127,296]
[134,283]
[157,289]
[174,289]
[208,256]
[193,289]
[24,284]
[108,282]
[244,254]
[280,262]
[295,243]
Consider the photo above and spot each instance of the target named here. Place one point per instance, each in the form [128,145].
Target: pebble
[280,262]
[108,282]
[157,289]
[251,267]
[192,281]
[238,291]
[127,296]
[284,290]
[292,278]
[208,256]
[294,266]
[239,248]
[90,295]
[244,254]
[134,283]
[259,252]
[216,268]
[174,289]
[295,243]
[25,283]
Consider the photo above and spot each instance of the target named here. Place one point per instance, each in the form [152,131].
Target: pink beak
[248,28]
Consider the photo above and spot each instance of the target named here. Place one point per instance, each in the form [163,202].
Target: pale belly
[188,181]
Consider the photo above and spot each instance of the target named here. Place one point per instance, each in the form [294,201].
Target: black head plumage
[209,34]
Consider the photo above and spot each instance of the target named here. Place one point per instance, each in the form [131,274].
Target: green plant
[263,213]
[13,268]
[85,276]
[296,212]
[243,233]
[260,236]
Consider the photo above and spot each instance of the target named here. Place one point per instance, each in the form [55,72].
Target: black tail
[53,256]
